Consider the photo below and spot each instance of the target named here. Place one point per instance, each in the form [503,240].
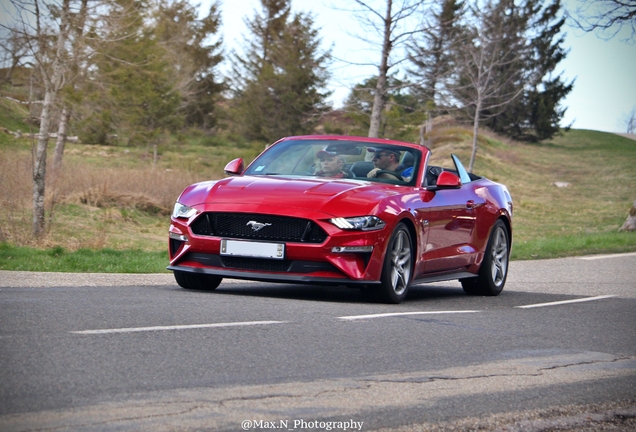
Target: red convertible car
[362,212]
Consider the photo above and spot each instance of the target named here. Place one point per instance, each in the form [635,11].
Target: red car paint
[449,223]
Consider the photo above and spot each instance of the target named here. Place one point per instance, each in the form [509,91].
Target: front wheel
[398,267]
[197,281]
[494,268]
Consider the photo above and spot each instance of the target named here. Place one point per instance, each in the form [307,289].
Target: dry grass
[90,206]
[119,198]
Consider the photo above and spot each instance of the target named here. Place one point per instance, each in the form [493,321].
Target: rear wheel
[197,281]
[494,268]
[397,268]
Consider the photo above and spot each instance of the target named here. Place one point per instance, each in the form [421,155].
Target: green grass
[105,217]
[12,116]
[555,247]
[58,259]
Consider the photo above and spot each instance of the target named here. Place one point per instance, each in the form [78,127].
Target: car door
[452,219]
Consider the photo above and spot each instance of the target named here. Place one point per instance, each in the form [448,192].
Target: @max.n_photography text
[301,424]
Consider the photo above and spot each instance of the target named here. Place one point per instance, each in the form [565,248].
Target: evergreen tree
[529,46]
[430,53]
[130,91]
[536,114]
[186,40]
[399,116]
[489,55]
[359,105]
[279,86]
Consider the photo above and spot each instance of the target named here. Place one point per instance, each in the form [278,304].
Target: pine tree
[430,52]
[489,56]
[130,91]
[401,110]
[279,86]
[194,54]
[530,46]
[536,115]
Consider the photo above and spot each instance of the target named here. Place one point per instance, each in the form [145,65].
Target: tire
[197,281]
[494,268]
[397,268]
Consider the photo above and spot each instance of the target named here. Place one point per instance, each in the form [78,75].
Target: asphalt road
[136,352]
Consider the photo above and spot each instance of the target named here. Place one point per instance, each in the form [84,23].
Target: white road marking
[176,327]
[565,302]
[596,257]
[392,314]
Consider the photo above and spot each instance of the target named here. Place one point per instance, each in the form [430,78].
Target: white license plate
[253,249]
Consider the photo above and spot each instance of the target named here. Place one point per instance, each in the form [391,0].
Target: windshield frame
[297,157]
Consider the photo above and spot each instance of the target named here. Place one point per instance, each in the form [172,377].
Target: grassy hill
[108,208]
[580,218]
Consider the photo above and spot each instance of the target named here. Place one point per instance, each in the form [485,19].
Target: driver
[331,165]
[386,160]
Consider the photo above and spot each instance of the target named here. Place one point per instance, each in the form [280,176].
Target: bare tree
[488,75]
[430,52]
[13,52]
[46,29]
[76,32]
[605,16]
[388,18]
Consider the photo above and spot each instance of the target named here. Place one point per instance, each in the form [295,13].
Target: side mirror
[235,167]
[447,180]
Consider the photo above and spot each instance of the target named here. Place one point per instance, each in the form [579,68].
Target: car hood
[341,197]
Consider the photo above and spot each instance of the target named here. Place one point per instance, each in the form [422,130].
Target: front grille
[274,228]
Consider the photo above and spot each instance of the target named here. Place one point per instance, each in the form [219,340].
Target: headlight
[183,211]
[361,223]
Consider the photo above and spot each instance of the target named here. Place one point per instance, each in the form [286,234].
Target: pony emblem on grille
[257,226]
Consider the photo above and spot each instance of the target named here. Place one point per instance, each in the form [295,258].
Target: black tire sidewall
[196,281]
[386,288]
[485,272]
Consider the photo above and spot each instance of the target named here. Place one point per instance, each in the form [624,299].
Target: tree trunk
[52,85]
[39,165]
[61,138]
[380,88]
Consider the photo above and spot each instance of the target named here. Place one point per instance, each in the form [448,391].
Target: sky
[605,70]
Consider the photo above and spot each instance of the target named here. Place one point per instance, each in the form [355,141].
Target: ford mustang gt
[338,210]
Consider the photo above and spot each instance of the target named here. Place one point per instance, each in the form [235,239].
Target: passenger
[331,165]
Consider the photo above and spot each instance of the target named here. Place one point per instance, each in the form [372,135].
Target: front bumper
[327,263]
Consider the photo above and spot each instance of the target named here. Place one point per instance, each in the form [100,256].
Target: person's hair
[338,157]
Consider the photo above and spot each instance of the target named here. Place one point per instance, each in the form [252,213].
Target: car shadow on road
[452,296]
[333,294]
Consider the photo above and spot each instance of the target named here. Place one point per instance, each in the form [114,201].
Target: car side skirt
[446,276]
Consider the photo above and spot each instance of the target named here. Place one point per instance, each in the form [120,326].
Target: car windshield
[339,159]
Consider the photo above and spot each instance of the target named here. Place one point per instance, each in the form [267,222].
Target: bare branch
[606,17]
